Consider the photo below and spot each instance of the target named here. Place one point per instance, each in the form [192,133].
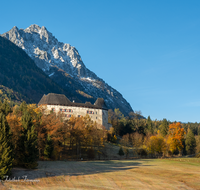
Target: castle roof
[61,99]
[55,99]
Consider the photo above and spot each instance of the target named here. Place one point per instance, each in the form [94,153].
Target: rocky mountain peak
[61,59]
[42,32]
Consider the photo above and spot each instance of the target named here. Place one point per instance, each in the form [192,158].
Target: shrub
[121,152]
[31,165]
[142,152]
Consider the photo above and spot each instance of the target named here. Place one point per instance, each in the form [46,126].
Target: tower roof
[100,103]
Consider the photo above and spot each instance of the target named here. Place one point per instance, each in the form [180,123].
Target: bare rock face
[64,65]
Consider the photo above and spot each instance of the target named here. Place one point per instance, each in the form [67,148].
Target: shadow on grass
[76,168]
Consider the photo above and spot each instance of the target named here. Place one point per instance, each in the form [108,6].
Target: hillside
[7,94]
[19,73]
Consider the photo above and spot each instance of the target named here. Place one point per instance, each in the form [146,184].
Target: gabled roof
[61,99]
[55,99]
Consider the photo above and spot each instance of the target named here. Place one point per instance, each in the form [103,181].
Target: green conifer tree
[121,152]
[5,108]
[149,125]
[6,159]
[164,128]
[23,107]
[48,148]
[190,142]
[28,142]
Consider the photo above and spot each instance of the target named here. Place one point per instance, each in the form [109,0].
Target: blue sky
[148,50]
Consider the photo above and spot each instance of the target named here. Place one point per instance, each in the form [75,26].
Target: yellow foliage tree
[156,144]
[15,125]
[175,137]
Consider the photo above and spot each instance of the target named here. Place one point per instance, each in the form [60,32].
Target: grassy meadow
[175,173]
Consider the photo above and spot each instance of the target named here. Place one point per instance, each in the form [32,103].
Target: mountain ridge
[63,64]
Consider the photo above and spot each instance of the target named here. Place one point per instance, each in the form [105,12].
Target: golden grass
[117,174]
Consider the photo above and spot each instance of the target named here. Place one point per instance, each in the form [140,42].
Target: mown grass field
[176,173]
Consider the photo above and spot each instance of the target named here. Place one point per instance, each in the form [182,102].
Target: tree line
[28,135]
[153,138]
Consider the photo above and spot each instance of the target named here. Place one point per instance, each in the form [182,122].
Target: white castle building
[60,103]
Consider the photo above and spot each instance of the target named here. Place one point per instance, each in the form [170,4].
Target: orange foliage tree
[175,137]
[51,126]
[85,134]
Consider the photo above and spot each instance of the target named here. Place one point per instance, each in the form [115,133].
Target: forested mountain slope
[19,73]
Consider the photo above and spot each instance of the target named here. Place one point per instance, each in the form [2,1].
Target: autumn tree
[78,133]
[98,137]
[136,141]
[175,137]
[155,144]
[51,126]
[14,122]
[111,137]
[125,143]
[86,134]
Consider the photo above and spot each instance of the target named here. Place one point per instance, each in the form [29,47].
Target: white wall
[98,115]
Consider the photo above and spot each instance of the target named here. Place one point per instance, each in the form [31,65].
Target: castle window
[68,115]
[60,109]
[53,109]
[96,117]
[79,115]
[90,112]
